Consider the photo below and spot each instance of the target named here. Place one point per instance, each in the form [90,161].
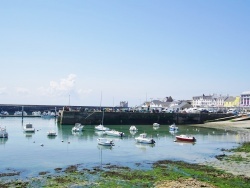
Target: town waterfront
[22,152]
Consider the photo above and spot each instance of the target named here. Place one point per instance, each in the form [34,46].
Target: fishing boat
[173,127]
[114,133]
[28,128]
[133,128]
[51,133]
[142,138]
[156,124]
[105,142]
[3,133]
[185,138]
[78,127]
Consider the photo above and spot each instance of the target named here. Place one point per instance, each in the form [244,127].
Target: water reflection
[133,132]
[3,140]
[144,146]
[28,135]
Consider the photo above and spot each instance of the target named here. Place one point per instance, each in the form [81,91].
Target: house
[232,102]
[209,101]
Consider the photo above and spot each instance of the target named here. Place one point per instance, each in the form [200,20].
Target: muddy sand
[235,167]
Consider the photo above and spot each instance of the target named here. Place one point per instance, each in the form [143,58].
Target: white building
[245,99]
[209,100]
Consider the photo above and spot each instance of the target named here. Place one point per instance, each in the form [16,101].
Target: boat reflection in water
[3,140]
[144,147]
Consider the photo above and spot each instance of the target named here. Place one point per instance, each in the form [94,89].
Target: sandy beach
[235,167]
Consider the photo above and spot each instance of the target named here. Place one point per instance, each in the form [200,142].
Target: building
[232,102]
[245,99]
[124,104]
[209,100]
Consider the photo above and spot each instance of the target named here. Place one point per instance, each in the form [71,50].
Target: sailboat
[101,127]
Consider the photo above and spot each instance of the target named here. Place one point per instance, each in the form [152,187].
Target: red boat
[185,138]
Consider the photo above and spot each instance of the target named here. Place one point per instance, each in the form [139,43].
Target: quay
[137,118]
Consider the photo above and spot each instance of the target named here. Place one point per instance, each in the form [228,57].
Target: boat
[20,113]
[48,114]
[28,128]
[142,138]
[133,128]
[78,127]
[115,133]
[185,138]
[4,113]
[101,128]
[105,142]
[36,113]
[173,127]
[3,133]
[156,124]
[51,133]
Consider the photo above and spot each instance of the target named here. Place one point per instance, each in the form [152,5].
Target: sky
[101,52]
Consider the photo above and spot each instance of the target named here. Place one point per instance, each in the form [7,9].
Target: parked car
[204,111]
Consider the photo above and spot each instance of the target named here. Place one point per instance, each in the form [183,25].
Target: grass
[245,147]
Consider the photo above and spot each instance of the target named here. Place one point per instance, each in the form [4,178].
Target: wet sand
[234,167]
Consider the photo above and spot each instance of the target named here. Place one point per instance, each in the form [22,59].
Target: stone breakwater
[129,118]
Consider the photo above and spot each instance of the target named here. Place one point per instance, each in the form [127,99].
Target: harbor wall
[129,118]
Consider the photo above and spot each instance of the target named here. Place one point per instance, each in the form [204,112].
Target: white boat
[156,124]
[105,142]
[4,113]
[78,127]
[51,133]
[36,113]
[28,128]
[133,128]
[173,127]
[19,113]
[3,133]
[48,114]
[101,128]
[142,138]
[115,133]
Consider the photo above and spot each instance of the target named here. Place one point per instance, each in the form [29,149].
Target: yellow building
[232,102]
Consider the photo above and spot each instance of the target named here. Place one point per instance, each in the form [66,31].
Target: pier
[137,118]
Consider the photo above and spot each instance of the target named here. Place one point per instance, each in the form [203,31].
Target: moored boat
[156,124]
[3,133]
[142,138]
[114,133]
[133,128]
[51,133]
[101,128]
[173,127]
[28,128]
[185,138]
[78,127]
[105,142]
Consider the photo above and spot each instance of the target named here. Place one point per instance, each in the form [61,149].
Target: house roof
[230,99]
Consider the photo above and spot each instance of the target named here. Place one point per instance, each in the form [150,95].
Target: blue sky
[123,50]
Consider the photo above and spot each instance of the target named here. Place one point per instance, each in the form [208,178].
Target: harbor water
[31,153]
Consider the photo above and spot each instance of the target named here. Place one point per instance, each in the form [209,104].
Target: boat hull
[185,139]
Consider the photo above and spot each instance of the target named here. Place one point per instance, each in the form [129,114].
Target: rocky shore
[237,163]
